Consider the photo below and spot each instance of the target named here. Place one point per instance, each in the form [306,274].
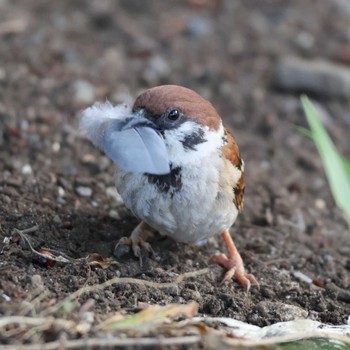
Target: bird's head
[167,125]
[188,123]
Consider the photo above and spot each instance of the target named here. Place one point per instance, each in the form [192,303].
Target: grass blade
[336,167]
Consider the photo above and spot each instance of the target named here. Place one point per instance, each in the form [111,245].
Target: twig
[63,258]
[27,230]
[130,280]
[61,254]
[35,324]
[33,321]
[57,256]
[60,258]
[1,229]
[190,274]
[105,342]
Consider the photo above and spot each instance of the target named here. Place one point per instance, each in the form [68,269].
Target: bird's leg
[138,240]
[234,264]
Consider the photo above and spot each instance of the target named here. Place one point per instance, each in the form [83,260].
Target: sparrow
[177,168]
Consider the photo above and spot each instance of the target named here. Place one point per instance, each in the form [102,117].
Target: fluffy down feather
[126,138]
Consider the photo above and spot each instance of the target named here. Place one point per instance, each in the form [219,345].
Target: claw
[234,265]
[136,241]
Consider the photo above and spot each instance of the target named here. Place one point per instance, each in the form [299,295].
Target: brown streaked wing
[231,152]
[239,193]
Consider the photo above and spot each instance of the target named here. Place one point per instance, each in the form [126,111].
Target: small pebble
[89,159]
[305,40]
[6,241]
[283,312]
[114,214]
[56,219]
[56,146]
[198,27]
[27,169]
[302,277]
[84,191]
[121,250]
[103,163]
[156,69]
[94,204]
[320,204]
[83,92]
[113,193]
[6,297]
[60,191]
[37,283]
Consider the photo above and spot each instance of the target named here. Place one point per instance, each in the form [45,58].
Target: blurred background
[58,57]
[252,59]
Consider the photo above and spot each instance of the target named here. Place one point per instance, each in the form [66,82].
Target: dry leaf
[97,260]
[147,319]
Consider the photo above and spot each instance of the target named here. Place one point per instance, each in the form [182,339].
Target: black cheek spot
[191,141]
[224,140]
[171,182]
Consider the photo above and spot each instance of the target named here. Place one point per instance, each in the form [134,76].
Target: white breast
[202,207]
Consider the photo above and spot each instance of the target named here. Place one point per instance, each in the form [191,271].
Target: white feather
[96,118]
[123,136]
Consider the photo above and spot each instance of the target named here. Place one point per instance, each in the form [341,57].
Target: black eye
[174,114]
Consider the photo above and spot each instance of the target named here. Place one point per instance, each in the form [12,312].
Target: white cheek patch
[191,142]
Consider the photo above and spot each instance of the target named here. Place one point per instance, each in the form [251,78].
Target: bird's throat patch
[169,183]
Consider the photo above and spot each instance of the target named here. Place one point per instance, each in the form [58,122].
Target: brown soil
[226,51]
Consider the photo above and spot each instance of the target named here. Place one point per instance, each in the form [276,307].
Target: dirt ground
[58,57]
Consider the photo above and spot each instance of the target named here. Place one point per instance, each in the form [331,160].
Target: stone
[317,77]
[84,191]
[281,311]
[83,92]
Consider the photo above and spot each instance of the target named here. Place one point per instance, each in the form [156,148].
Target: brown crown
[159,99]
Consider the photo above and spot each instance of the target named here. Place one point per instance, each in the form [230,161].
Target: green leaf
[336,167]
[346,166]
[314,344]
